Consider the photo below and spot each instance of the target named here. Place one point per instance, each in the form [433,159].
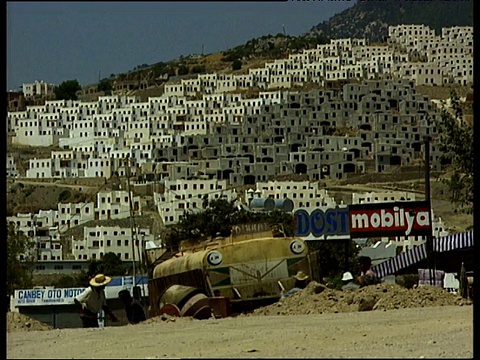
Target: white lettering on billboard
[385,219]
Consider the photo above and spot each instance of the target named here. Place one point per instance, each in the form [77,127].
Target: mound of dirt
[318,299]
[20,322]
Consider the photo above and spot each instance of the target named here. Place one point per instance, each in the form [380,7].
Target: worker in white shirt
[92,300]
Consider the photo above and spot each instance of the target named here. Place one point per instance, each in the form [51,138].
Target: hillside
[253,54]
[370,19]
[367,19]
[27,196]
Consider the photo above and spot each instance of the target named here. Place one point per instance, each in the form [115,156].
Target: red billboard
[400,218]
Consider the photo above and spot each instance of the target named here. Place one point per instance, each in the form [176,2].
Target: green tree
[67,90]
[105,85]
[110,264]
[456,144]
[197,69]
[94,267]
[158,69]
[220,216]
[183,70]
[68,281]
[20,259]
[113,265]
[236,64]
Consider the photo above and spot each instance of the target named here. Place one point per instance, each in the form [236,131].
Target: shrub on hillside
[236,65]
[64,195]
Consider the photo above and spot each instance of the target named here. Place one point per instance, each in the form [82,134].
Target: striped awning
[419,253]
[453,242]
[401,261]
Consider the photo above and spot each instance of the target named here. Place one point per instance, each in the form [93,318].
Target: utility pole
[430,252]
[132,225]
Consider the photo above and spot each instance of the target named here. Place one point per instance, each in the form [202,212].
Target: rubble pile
[318,299]
[20,322]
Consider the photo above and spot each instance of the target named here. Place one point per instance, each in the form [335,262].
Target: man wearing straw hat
[301,282]
[92,300]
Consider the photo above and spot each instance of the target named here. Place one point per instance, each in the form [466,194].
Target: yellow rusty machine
[250,268]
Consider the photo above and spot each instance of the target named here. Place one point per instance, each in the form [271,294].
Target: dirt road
[430,332]
[59,184]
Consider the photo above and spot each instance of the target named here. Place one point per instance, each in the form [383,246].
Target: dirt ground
[384,321]
[431,332]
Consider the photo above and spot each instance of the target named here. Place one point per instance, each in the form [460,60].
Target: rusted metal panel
[314,263]
[195,303]
[156,287]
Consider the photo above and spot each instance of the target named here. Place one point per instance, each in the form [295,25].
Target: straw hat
[100,280]
[301,276]
[347,276]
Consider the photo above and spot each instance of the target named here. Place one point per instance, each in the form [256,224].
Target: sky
[59,41]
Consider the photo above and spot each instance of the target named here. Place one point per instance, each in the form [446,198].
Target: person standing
[348,283]
[92,300]
[133,308]
[367,275]
[301,282]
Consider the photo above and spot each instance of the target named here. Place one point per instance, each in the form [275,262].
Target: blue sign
[46,296]
[322,223]
[128,281]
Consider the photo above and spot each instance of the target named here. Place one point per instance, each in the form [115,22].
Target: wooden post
[430,252]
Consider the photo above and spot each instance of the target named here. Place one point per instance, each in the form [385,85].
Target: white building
[302,193]
[40,168]
[37,88]
[182,196]
[106,130]
[71,214]
[99,240]
[42,229]
[11,167]
[115,204]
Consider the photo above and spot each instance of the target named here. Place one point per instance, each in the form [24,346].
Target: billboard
[46,296]
[399,218]
[65,296]
[322,223]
